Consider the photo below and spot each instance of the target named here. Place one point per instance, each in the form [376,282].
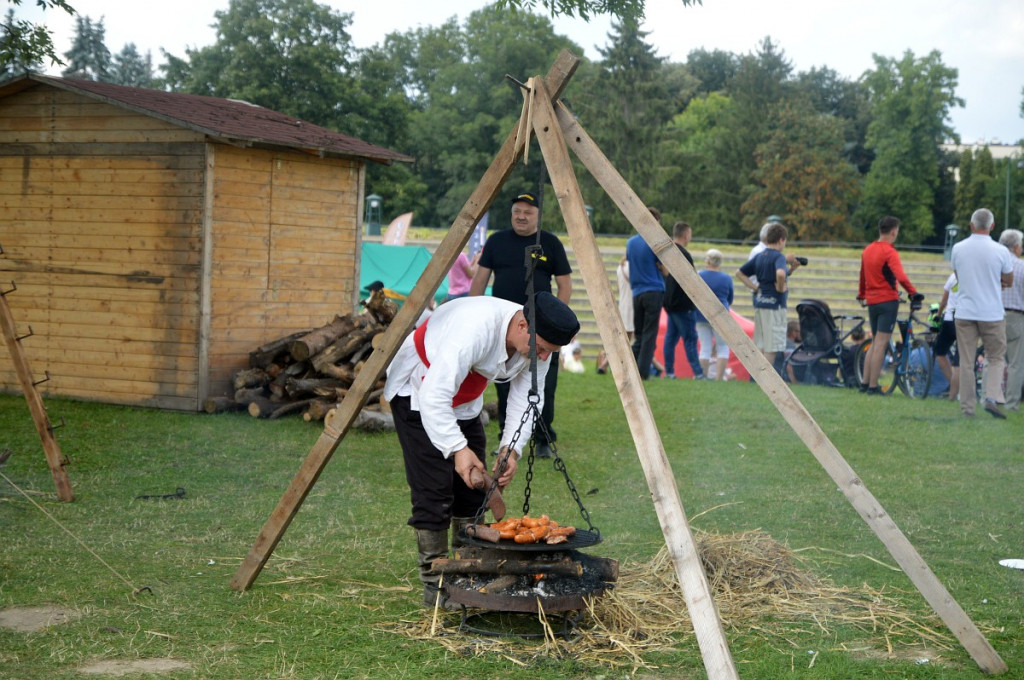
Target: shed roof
[233,121]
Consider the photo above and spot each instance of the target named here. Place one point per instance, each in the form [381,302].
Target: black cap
[376,285]
[556,323]
[526,198]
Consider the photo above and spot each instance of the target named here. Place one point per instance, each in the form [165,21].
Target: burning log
[606,569]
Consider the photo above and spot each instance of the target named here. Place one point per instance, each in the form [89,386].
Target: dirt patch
[34,619]
[119,668]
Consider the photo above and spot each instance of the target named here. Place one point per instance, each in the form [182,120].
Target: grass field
[341,587]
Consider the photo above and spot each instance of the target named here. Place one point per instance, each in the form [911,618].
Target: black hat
[376,285]
[556,323]
[526,198]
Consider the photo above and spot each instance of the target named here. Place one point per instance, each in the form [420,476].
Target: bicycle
[908,361]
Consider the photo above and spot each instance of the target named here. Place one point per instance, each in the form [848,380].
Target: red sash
[471,388]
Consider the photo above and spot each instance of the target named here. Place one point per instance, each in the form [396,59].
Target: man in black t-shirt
[504,255]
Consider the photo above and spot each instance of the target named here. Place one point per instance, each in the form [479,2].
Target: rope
[80,542]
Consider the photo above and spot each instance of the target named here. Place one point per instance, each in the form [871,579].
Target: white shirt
[979,263]
[463,335]
[953,289]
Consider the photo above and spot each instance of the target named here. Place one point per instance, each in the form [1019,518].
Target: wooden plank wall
[285,238]
[100,213]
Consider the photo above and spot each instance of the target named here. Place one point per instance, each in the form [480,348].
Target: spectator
[625,296]
[793,340]
[946,359]
[880,271]
[504,255]
[648,288]
[770,291]
[682,322]
[983,268]
[1013,305]
[460,276]
[720,284]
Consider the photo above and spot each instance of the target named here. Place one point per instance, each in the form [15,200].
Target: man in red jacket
[880,271]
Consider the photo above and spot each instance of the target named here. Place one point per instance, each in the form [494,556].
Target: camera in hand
[802,260]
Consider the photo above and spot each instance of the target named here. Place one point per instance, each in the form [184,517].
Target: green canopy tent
[398,268]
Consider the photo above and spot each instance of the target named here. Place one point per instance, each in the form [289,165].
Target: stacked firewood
[310,372]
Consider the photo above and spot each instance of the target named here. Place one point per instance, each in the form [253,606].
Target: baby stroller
[819,356]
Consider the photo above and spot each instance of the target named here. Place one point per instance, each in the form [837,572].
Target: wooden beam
[54,457]
[782,398]
[444,257]
[707,624]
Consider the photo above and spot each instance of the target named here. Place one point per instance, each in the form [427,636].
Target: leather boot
[432,545]
[459,525]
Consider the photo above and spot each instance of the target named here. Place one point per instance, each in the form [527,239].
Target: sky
[981,39]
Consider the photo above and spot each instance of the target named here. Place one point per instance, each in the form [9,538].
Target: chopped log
[344,373]
[317,409]
[274,370]
[261,407]
[247,395]
[290,407]
[296,388]
[265,355]
[342,348]
[220,405]
[298,370]
[316,340]
[385,405]
[276,390]
[250,377]
[374,396]
[357,356]
[372,421]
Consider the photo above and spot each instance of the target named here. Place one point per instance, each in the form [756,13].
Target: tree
[802,176]
[464,107]
[713,69]
[293,56]
[24,44]
[132,69]
[847,101]
[694,180]
[88,57]
[911,99]
[623,9]
[626,111]
[761,83]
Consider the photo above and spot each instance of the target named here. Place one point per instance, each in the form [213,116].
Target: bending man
[435,385]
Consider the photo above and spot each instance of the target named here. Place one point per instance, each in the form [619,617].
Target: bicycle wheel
[918,377]
[887,376]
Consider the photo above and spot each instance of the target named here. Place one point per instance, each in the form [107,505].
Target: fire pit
[525,578]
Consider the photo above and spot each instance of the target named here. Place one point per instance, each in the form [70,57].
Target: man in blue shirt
[770,291]
[648,294]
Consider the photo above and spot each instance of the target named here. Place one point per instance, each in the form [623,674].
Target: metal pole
[1006,215]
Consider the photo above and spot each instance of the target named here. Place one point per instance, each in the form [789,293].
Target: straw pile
[759,588]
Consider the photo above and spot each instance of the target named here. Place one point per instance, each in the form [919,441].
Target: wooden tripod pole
[707,624]
[444,257]
[783,398]
[54,457]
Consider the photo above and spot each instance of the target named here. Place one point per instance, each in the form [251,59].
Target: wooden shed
[156,238]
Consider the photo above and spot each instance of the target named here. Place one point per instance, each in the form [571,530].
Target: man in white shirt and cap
[435,385]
